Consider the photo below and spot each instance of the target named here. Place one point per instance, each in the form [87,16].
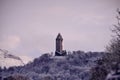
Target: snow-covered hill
[76,65]
[8,60]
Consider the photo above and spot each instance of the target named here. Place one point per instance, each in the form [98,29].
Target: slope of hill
[74,66]
[8,60]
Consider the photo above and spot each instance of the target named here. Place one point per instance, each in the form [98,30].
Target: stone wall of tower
[59,46]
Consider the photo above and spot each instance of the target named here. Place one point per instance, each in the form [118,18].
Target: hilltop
[75,65]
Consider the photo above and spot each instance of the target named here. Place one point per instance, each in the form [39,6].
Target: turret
[59,47]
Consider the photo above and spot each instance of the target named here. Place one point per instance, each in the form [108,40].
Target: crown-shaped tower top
[59,37]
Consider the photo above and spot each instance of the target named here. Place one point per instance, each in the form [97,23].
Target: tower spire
[59,37]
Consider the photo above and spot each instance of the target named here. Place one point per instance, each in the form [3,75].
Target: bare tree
[111,59]
[114,47]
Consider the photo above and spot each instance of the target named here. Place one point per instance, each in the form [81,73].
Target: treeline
[74,66]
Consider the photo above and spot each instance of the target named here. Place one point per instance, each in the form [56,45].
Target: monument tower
[59,47]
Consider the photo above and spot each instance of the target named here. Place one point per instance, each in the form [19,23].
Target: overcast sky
[29,27]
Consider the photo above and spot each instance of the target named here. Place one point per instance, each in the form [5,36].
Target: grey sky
[29,27]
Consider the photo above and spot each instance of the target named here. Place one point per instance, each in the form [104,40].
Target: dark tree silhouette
[111,59]
[114,47]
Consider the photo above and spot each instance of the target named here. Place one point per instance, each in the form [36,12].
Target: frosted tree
[113,58]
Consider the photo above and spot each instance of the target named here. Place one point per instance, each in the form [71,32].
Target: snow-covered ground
[8,60]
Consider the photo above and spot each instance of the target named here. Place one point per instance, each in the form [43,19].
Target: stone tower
[59,47]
